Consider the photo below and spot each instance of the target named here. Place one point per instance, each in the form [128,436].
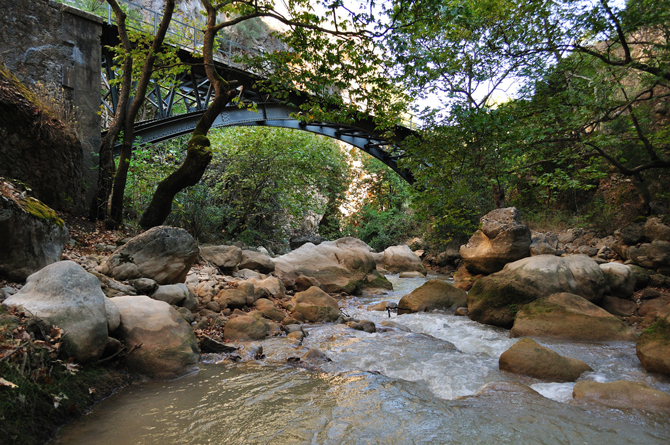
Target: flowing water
[418,380]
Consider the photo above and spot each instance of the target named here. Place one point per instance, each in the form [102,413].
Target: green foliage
[261,186]
[268,182]
[382,218]
[591,98]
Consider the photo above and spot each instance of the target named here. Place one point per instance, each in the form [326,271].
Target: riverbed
[428,378]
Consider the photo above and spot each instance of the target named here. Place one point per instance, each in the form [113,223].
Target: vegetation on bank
[38,391]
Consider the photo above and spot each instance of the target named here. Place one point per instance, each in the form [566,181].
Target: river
[419,381]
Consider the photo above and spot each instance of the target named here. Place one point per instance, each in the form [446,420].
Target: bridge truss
[174,110]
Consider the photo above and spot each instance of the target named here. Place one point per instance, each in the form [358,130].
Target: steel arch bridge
[177,109]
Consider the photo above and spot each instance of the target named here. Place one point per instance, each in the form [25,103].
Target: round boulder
[165,346]
[619,279]
[398,259]
[246,327]
[433,294]
[164,254]
[572,317]
[65,295]
[256,261]
[226,258]
[314,305]
[529,358]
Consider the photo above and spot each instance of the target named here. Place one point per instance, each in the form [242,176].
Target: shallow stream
[418,382]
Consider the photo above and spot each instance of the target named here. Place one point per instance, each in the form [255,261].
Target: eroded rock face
[31,237]
[570,317]
[164,254]
[314,305]
[433,294]
[345,265]
[529,358]
[495,299]
[65,295]
[622,394]
[653,347]
[168,348]
[501,240]
[398,259]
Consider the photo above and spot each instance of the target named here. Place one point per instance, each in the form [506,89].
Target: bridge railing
[185,34]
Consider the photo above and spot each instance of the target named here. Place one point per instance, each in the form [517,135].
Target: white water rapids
[415,383]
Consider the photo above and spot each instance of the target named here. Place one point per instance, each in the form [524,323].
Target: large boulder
[653,347]
[651,255]
[271,286]
[175,294]
[544,243]
[225,258]
[622,394]
[630,234]
[269,309]
[256,261]
[65,295]
[529,358]
[571,317]
[164,254]
[433,294]
[398,259]
[32,236]
[619,278]
[165,346]
[618,306]
[246,327]
[656,229]
[496,298]
[501,240]
[314,305]
[345,265]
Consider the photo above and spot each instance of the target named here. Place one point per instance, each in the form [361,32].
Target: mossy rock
[495,299]
[653,347]
[641,275]
[570,317]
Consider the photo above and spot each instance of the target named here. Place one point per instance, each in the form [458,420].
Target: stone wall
[58,46]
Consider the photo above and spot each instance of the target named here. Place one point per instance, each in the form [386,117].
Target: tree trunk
[98,210]
[198,153]
[197,159]
[116,211]
[642,189]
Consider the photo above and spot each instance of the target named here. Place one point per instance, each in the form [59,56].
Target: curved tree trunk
[198,153]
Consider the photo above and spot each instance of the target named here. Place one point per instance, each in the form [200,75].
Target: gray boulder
[165,346]
[256,261]
[164,254]
[32,236]
[345,265]
[173,294]
[501,240]
[619,278]
[496,298]
[65,295]
[401,259]
[226,258]
[544,244]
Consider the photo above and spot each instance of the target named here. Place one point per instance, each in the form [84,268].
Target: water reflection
[391,387]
